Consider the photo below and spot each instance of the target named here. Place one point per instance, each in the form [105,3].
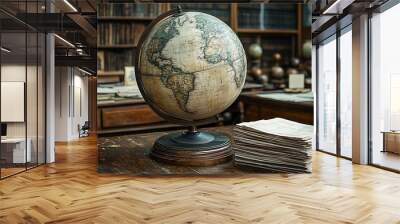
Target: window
[327,96]
[385,89]
[334,106]
[22,78]
[346,92]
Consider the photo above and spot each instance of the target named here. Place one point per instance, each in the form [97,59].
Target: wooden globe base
[192,148]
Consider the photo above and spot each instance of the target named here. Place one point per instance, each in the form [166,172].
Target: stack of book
[113,93]
[276,145]
[115,60]
[267,16]
[221,11]
[129,9]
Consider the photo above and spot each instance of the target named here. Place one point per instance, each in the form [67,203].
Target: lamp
[64,40]
[70,5]
[337,7]
[5,50]
[84,71]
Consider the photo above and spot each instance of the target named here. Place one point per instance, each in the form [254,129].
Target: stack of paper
[276,145]
[114,93]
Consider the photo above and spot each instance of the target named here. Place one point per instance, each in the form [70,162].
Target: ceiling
[72,20]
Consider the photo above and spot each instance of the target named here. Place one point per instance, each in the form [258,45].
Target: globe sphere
[255,51]
[191,66]
[292,71]
[277,57]
[295,62]
[277,72]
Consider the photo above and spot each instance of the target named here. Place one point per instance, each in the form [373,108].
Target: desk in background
[13,150]
[391,141]
[297,107]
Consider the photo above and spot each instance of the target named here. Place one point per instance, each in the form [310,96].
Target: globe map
[191,66]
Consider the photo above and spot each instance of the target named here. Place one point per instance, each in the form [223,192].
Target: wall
[71,102]
[17,73]
[33,126]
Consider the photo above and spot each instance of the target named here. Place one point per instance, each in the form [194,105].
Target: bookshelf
[278,28]
[282,24]
[120,26]
[219,10]
[267,16]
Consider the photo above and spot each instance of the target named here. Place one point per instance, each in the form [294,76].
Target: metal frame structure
[339,32]
[336,29]
[44,74]
[382,8]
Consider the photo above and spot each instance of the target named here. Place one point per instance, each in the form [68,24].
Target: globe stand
[192,148]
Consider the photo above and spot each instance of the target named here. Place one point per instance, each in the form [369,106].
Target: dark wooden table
[126,116]
[391,141]
[129,154]
[257,107]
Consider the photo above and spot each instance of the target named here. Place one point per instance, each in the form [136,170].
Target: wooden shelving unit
[124,115]
[287,40]
[294,34]
[267,31]
[124,18]
[110,73]
[117,46]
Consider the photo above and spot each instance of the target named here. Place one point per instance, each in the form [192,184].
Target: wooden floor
[386,159]
[71,191]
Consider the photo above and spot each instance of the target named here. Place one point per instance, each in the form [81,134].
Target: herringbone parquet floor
[71,191]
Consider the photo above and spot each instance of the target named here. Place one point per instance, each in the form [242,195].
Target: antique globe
[190,66]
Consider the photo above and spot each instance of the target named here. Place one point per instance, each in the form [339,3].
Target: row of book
[129,9]
[219,10]
[267,17]
[119,33]
[115,60]
[276,145]
[116,92]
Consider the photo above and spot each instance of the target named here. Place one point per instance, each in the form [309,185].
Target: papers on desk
[297,97]
[296,81]
[114,93]
[276,145]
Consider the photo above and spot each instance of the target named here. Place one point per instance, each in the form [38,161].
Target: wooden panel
[256,112]
[128,116]
[256,108]
[392,142]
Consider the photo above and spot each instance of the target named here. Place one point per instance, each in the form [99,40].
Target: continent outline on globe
[173,76]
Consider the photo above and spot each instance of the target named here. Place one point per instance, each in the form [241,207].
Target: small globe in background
[277,57]
[255,51]
[277,72]
[295,62]
[191,66]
